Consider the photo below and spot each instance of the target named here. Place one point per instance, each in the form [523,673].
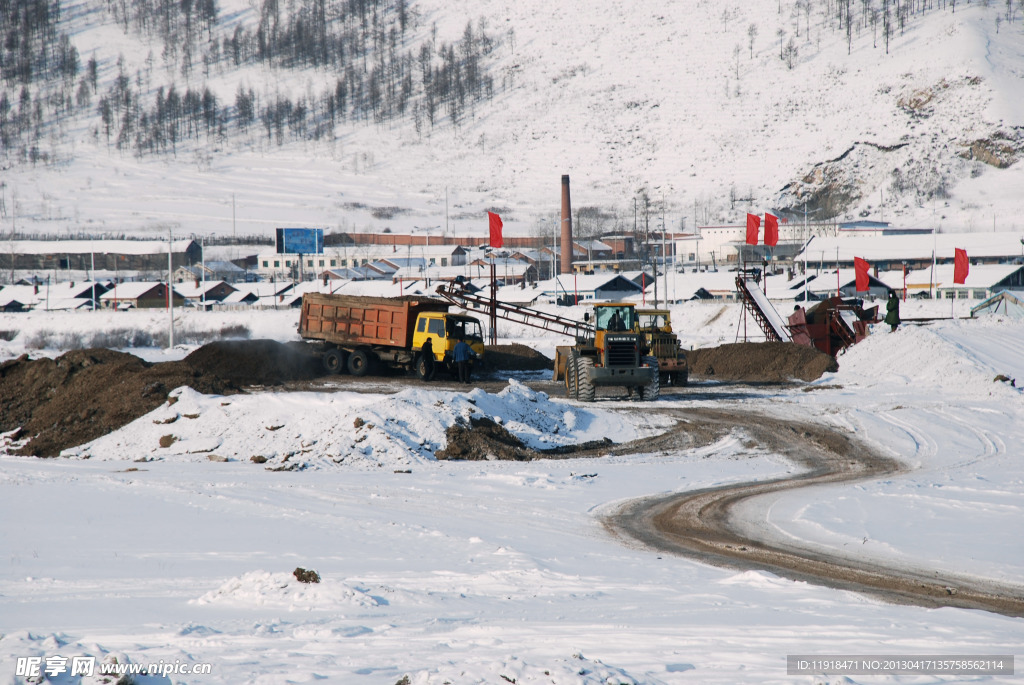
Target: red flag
[771,230]
[494,222]
[860,268]
[753,224]
[961,266]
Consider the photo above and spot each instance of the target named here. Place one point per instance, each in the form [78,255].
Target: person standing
[892,311]
[462,356]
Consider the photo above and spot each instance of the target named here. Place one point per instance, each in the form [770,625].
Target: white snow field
[494,572]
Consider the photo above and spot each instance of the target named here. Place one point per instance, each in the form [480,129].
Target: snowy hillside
[688,103]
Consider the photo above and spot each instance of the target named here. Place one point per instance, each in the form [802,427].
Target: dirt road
[703,525]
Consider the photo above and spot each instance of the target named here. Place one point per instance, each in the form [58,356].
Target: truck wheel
[421,369]
[585,379]
[570,375]
[359,362]
[652,390]
[334,360]
[680,378]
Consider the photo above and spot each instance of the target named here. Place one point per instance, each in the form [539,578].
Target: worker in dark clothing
[615,324]
[462,356]
[892,311]
[427,351]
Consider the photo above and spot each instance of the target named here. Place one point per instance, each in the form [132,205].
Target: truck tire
[359,362]
[570,375]
[584,379]
[421,369]
[680,378]
[334,360]
[652,389]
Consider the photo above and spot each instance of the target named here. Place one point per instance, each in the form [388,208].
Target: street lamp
[806,245]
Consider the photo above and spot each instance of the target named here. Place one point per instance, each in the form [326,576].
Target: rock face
[1000,150]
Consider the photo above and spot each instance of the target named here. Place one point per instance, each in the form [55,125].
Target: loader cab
[654,320]
[614,318]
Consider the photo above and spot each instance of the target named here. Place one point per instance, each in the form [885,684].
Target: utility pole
[170,288]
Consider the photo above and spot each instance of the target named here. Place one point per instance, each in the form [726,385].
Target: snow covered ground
[468,572]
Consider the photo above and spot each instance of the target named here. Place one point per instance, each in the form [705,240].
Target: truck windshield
[614,318]
[464,329]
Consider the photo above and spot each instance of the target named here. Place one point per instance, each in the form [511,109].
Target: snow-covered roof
[978,276]
[132,290]
[190,290]
[96,247]
[263,288]
[913,247]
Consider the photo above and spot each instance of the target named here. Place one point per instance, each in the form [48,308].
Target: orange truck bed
[356,320]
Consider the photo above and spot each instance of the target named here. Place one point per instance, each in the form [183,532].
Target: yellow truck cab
[445,330]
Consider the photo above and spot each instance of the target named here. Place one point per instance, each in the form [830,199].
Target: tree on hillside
[789,53]
[751,36]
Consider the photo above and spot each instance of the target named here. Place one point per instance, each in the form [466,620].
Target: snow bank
[300,430]
[284,591]
[951,356]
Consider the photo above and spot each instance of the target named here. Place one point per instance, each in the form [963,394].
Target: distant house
[205,291]
[983,281]
[141,295]
[62,296]
[210,271]
[16,298]
[89,255]
[570,288]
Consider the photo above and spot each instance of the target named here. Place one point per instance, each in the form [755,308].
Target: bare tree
[789,54]
[751,35]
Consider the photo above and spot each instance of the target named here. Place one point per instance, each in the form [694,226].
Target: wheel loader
[614,353]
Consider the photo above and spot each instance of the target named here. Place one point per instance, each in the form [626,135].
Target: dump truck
[361,334]
[663,344]
[614,354]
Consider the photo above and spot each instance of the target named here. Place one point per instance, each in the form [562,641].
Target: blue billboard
[300,241]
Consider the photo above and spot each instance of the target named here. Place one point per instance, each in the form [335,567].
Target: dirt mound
[516,357]
[760,362]
[483,439]
[255,362]
[486,439]
[85,394]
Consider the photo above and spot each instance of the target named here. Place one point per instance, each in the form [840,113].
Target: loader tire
[359,362]
[585,391]
[334,360]
[652,389]
[570,375]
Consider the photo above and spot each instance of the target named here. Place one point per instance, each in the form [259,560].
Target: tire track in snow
[700,525]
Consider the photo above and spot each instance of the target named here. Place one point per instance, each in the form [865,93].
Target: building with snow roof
[892,252]
[102,255]
[140,295]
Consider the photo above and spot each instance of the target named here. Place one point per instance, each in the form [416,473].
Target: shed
[1008,303]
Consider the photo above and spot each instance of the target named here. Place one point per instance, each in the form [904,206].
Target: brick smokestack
[565,264]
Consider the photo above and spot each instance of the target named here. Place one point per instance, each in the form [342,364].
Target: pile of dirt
[516,357]
[760,362]
[483,439]
[86,394]
[256,362]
